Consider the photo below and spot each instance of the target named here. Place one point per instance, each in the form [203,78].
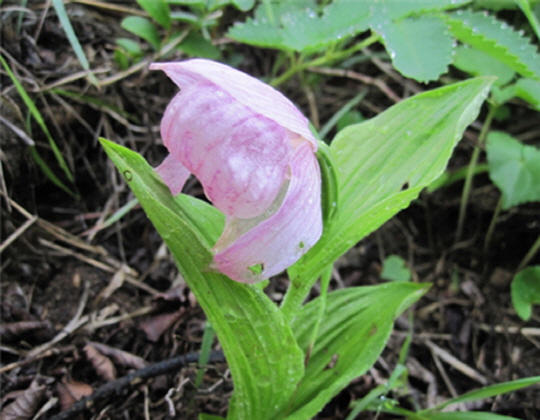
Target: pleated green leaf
[258,343]
[383,164]
[352,335]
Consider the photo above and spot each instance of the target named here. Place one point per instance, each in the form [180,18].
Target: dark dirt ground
[84,303]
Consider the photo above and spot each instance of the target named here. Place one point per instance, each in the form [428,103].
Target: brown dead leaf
[102,364]
[25,406]
[120,357]
[11,331]
[116,282]
[69,392]
[155,326]
[175,294]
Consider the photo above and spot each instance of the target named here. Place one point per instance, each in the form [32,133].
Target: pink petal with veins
[173,173]
[279,241]
[253,152]
[240,157]
[249,91]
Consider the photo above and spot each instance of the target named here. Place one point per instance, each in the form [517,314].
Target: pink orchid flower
[254,154]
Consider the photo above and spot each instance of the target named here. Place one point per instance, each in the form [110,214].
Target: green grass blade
[41,122]
[342,111]
[206,347]
[487,392]
[525,6]
[49,173]
[73,40]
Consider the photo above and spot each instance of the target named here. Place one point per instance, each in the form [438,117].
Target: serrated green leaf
[497,39]
[260,33]
[143,28]
[529,90]
[383,164]
[420,47]
[296,26]
[349,341]
[258,343]
[158,10]
[386,10]
[514,168]
[526,291]
[478,63]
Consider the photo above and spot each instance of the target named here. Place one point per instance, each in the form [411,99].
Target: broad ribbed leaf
[497,39]
[384,163]
[354,332]
[257,341]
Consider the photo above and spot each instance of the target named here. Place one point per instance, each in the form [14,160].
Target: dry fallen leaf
[25,406]
[120,357]
[69,392]
[155,326]
[11,331]
[102,364]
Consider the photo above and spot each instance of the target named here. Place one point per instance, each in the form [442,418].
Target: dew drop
[128,175]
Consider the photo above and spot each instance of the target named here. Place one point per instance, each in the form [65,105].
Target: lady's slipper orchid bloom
[254,154]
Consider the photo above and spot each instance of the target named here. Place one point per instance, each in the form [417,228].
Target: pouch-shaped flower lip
[253,152]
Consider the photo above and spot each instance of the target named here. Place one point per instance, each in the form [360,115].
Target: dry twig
[113,388]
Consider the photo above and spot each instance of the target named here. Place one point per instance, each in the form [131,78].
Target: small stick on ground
[113,388]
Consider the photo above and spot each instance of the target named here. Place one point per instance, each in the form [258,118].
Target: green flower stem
[339,55]
[534,249]
[325,282]
[471,170]
[296,295]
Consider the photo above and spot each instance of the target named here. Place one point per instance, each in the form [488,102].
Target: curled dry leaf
[174,294]
[25,406]
[69,392]
[11,331]
[102,364]
[120,357]
[155,326]
[116,282]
